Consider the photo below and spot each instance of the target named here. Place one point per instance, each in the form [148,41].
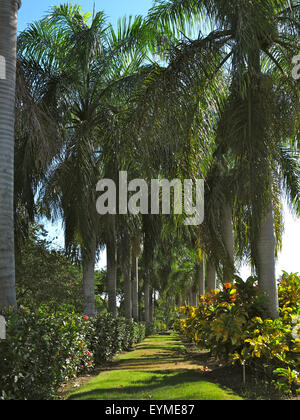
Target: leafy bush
[45,276]
[133,333]
[42,351]
[230,323]
[150,329]
[106,341]
[113,335]
[140,332]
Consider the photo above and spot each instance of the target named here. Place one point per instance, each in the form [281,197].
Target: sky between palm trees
[289,258]
[33,10]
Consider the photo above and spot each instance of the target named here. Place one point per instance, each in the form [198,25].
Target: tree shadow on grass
[146,364]
[161,379]
[156,347]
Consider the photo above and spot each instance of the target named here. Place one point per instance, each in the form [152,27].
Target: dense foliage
[45,276]
[163,97]
[42,351]
[230,323]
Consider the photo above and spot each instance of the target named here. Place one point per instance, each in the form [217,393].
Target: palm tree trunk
[201,277]
[154,306]
[266,263]
[228,238]
[151,307]
[88,264]
[192,295]
[112,270]
[8,38]
[147,298]
[135,288]
[127,280]
[178,300]
[211,277]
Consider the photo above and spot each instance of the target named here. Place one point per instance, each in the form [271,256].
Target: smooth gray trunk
[112,270]
[192,295]
[201,277]
[179,300]
[88,264]
[147,298]
[211,277]
[151,307]
[135,288]
[228,238]
[266,264]
[127,281]
[8,38]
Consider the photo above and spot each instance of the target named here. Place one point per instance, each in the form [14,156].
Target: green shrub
[150,329]
[129,334]
[45,276]
[106,341]
[42,351]
[140,332]
[113,335]
[230,323]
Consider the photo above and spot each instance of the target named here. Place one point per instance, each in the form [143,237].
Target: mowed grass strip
[156,370]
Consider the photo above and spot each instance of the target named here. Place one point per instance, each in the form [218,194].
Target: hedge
[42,351]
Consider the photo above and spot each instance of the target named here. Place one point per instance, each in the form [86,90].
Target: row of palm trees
[196,89]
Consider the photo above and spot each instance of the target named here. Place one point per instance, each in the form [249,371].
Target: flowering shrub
[113,335]
[42,351]
[230,323]
[133,333]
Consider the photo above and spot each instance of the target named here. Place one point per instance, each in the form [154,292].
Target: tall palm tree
[249,39]
[8,40]
[82,68]
[136,252]
[36,144]
[126,261]
[200,273]
[211,276]
[112,260]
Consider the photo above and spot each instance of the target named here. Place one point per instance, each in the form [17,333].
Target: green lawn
[156,370]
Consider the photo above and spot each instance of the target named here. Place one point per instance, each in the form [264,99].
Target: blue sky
[31,10]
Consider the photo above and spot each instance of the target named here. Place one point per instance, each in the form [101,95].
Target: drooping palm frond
[176,16]
[290,176]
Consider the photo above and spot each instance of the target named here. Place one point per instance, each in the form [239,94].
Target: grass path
[157,369]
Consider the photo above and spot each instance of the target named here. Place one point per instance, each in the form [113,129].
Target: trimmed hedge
[44,351]
[112,335]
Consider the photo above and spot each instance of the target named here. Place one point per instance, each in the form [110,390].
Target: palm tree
[258,164]
[83,69]
[200,275]
[216,234]
[36,144]
[249,39]
[112,260]
[8,39]
[136,252]
[211,276]
[126,261]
